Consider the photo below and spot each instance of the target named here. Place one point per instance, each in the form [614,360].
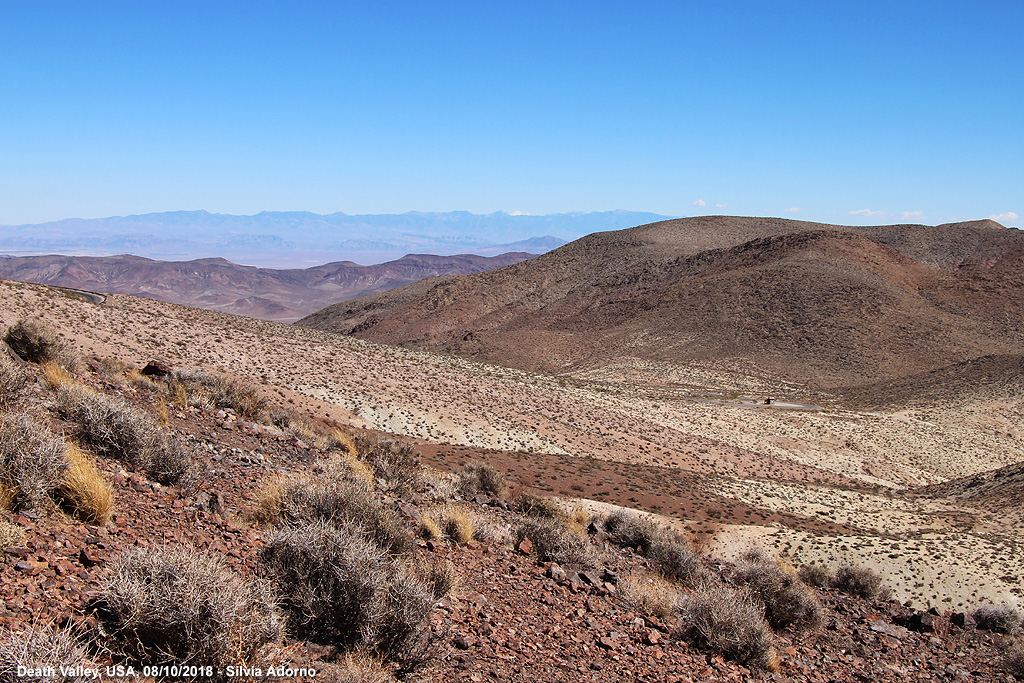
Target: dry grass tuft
[36,648]
[730,623]
[11,535]
[177,606]
[786,600]
[54,375]
[83,490]
[456,523]
[650,594]
[1002,618]
[430,527]
[31,461]
[337,583]
[35,341]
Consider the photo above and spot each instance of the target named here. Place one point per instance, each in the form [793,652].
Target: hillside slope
[220,285]
[828,306]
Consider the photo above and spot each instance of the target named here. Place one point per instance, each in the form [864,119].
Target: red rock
[88,557]
[525,546]
[464,642]
[651,637]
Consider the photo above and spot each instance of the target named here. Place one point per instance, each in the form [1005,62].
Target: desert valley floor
[831,485]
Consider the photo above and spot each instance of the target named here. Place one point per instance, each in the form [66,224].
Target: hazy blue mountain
[299,238]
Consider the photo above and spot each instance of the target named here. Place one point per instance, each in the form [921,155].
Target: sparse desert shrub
[13,381]
[178,606]
[815,575]
[35,341]
[553,542]
[729,622]
[437,573]
[477,476]
[1002,618]
[630,530]
[650,594]
[673,558]
[356,667]
[540,507]
[11,535]
[31,461]
[396,464]
[787,601]
[36,648]
[118,431]
[1013,662]
[334,496]
[83,490]
[337,583]
[206,390]
[862,582]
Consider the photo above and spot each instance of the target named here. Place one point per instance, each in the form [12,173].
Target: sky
[843,112]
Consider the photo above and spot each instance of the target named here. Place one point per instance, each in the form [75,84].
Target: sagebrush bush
[553,542]
[205,390]
[786,600]
[116,430]
[476,477]
[1004,618]
[650,594]
[13,382]
[437,573]
[816,575]
[395,463]
[673,558]
[83,490]
[31,461]
[331,494]
[39,647]
[35,341]
[861,582]
[177,606]
[630,530]
[337,583]
[1013,662]
[730,623]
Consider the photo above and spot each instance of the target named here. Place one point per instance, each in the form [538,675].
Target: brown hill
[220,285]
[820,304]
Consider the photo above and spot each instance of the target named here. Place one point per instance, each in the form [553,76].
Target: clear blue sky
[805,109]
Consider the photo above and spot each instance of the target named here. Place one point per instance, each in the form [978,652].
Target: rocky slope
[828,306]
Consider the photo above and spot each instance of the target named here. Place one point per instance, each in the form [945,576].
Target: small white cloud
[868,213]
[722,205]
[913,214]
[701,203]
[519,213]
[793,209]
[1004,217]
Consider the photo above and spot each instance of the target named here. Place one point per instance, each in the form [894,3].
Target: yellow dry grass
[83,490]
[266,505]
[430,528]
[650,594]
[163,414]
[54,375]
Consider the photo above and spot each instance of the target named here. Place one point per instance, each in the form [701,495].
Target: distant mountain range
[301,239]
[219,285]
